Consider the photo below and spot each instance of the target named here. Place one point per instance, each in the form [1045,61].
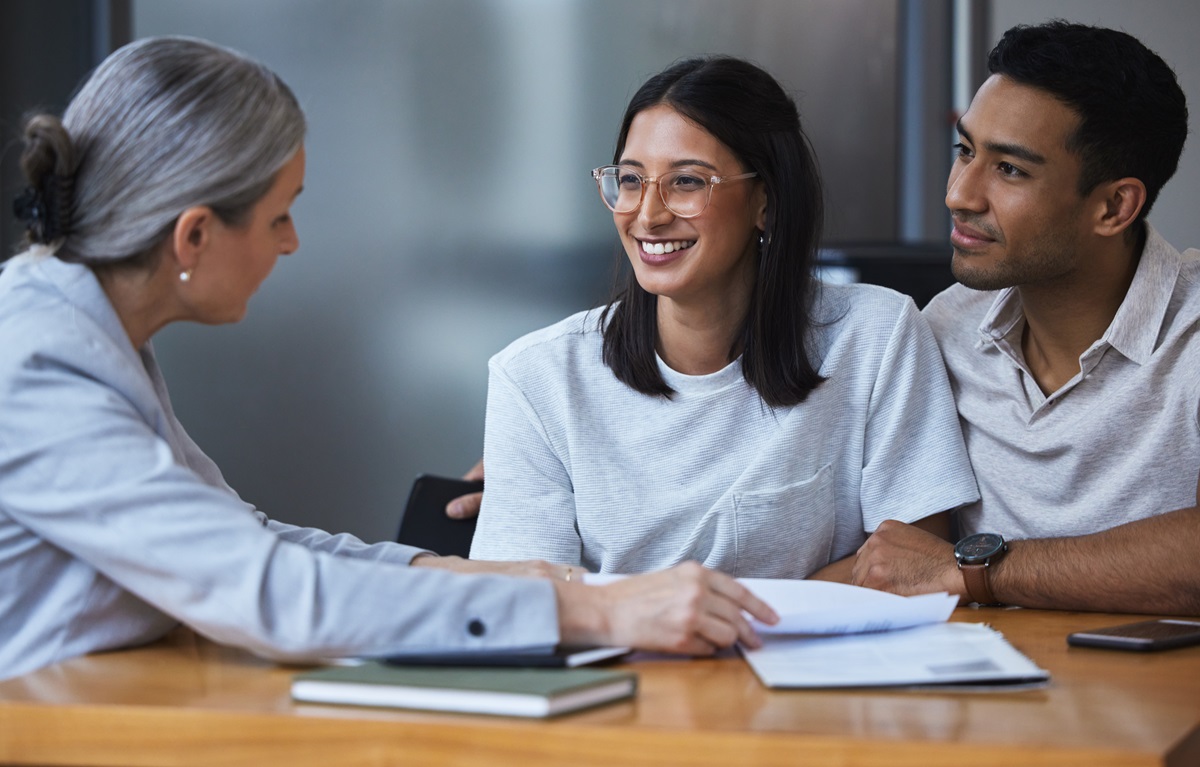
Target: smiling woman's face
[707,260]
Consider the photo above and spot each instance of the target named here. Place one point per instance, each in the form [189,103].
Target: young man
[1071,342]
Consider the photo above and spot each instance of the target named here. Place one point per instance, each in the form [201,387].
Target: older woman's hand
[686,609]
[530,568]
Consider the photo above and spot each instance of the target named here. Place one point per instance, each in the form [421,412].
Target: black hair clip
[42,210]
[30,209]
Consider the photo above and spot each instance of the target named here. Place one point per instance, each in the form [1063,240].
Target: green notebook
[535,692]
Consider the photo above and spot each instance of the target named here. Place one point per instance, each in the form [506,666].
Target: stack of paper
[835,635]
[936,654]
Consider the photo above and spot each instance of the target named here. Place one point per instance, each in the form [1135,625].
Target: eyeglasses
[684,193]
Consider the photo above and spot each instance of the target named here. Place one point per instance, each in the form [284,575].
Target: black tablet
[425,523]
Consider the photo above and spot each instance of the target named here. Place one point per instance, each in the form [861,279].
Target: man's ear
[192,236]
[1121,201]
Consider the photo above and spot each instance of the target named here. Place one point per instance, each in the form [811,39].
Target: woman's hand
[686,609]
[467,506]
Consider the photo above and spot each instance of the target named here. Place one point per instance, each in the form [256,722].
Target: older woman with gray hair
[163,195]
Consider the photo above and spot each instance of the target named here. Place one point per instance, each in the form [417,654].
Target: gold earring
[185,275]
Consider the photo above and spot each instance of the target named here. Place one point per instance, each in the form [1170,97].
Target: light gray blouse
[114,526]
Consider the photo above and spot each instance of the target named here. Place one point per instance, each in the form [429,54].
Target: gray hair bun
[48,164]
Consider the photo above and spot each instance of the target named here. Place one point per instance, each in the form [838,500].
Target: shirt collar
[1005,315]
[1135,329]
[79,285]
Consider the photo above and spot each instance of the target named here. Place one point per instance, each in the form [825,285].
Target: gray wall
[45,47]
[448,209]
[1167,27]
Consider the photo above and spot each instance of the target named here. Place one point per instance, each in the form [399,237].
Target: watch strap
[976,579]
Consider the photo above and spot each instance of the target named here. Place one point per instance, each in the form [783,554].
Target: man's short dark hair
[1132,113]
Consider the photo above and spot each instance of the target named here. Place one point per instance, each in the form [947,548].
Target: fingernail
[454,510]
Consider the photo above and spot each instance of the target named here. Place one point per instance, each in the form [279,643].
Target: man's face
[1013,190]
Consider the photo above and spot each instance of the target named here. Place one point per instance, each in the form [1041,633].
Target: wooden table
[186,701]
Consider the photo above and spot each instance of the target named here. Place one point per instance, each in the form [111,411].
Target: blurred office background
[448,207]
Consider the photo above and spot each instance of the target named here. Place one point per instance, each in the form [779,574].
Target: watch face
[978,547]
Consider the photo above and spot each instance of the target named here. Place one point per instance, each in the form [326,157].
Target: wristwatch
[975,554]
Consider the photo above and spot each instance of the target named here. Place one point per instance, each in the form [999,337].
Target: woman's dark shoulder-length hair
[745,109]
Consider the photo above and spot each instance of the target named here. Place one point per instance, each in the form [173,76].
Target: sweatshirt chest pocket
[787,532]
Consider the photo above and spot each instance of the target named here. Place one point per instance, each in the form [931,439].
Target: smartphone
[425,523]
[1144,635]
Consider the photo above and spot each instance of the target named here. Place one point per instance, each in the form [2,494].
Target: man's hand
[467,506]
[686,609]
[907,560]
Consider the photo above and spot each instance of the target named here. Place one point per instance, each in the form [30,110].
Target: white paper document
[936,654]
[821,607]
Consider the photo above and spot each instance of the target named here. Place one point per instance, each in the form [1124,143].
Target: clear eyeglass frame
[612,174]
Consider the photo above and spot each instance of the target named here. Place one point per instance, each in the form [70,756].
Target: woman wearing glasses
[724,407]
[114,526]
